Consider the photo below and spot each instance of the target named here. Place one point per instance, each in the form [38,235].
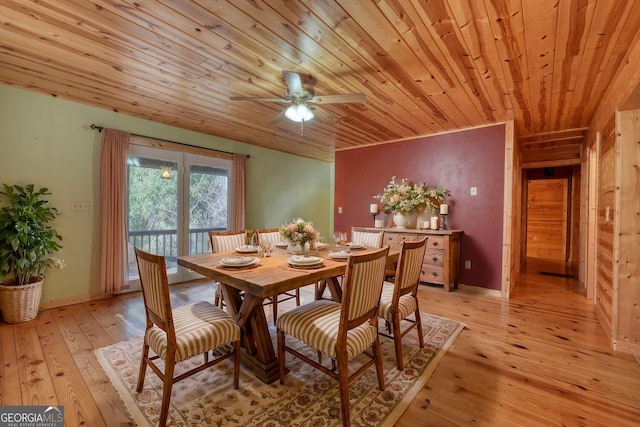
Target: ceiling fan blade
[277,118]
[339,99]
[257,98]
[294,83]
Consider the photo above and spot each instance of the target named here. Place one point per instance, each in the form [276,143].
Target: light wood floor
[539,359]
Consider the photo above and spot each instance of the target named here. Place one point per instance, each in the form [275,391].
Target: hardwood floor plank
[79,407]
[35,380]
[9,391]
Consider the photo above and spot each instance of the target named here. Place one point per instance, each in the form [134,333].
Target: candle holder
[443,222]
[374,215]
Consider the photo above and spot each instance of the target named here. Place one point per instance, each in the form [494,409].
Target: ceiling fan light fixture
[299,113]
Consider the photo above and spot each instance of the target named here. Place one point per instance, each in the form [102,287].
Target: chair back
[226,241]
[409,267]
[362,288]
[271,235]
[155,289]
[368,238]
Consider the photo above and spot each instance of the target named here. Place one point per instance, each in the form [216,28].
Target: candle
[434,222]
[444,209]
[373,208]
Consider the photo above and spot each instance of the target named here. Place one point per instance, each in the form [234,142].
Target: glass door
[207,206]
[173,200]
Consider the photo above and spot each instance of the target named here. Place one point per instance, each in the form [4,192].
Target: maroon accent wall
[457,161]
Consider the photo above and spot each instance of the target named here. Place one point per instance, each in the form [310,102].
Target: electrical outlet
[79,206]
[467,265]
[474,191]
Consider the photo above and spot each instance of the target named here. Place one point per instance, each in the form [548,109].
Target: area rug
[309,397]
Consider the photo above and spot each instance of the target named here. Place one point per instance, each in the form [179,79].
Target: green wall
[47,141]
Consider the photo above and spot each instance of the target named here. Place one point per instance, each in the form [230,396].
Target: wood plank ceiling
[426,66]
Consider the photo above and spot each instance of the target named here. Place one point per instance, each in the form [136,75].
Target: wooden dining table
[245,289]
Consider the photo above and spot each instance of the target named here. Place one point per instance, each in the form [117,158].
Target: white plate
[339,255]
[244,261]
[247,249]
[282,245]
[319,245]
[353,245]
[304,260]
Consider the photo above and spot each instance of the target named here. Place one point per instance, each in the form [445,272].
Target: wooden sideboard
[441,258]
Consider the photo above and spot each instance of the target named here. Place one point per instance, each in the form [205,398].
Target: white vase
[297,248]
[401,219]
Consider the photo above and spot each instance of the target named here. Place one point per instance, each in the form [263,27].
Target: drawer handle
[435,243]
[435,258]
[434,274]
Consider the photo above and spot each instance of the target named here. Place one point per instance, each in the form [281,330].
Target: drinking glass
[343,238]
[336,237]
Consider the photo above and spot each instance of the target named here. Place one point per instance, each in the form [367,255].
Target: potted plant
[27,242]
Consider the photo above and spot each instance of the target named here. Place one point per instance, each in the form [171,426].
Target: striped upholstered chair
[176,335]
[341,330]
[399,299]
[368,238]
[226,241]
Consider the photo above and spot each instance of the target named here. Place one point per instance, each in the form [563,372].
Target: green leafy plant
[26,240]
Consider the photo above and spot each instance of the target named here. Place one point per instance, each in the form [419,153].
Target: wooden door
[547,213]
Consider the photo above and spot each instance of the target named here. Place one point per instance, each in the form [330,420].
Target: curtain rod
[99,129]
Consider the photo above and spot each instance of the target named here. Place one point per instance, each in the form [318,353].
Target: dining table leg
[335,288]
[258,353]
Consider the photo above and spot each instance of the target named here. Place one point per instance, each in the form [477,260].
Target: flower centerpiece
[298,232]
[405,197]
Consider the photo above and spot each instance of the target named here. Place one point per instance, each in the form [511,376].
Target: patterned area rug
[309,397]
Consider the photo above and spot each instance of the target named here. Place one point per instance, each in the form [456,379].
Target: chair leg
[236,364]
[274,304]
[419,325]
[217,297]
[343,379]
[397,340]
[281,354]
[143,367]
[166,389]
[378,355]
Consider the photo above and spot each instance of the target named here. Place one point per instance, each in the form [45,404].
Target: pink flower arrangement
[299,231]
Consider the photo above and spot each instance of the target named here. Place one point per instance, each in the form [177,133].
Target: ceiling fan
[299,99]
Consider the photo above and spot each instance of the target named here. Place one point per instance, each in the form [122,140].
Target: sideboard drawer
[407,238]
[390,239]
[398,238]
[432,274]
[435,242]
[434,257]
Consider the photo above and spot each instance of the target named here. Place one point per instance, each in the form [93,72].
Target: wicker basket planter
[20,303]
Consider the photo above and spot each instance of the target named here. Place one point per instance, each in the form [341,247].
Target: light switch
[474,191]
[339,209]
